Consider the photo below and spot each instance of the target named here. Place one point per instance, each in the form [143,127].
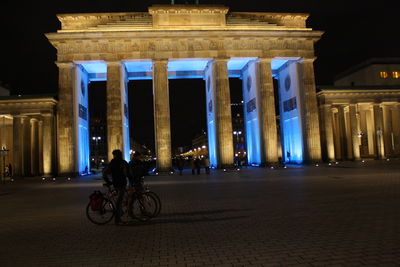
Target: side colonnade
[367,126]
[28,135]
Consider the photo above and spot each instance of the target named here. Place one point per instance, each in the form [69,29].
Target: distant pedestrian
[10,170]
[197,163]
[192,165]
[206,164]
[180,164]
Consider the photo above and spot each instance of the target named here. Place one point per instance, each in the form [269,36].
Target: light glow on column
[82,113]
[212,146]
[293,144]
[253,141]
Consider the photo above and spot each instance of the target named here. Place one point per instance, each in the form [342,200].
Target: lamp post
[237,133]
[97,139]
[3,154]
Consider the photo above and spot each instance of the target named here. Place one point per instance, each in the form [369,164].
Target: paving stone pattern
[341,215]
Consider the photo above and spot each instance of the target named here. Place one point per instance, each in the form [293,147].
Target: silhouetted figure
[280,162]
[138,170]
[206,164]
[197,163]
[180,164]
[119,170]
[192,165]
[10,170]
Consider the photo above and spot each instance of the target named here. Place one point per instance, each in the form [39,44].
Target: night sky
[354,31]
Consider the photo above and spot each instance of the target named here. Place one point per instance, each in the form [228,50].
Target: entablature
[28,106]
[358,96]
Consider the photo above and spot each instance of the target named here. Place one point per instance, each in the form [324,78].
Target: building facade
[372,72]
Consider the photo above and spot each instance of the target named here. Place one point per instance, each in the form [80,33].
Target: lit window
[383,74]
[396,74]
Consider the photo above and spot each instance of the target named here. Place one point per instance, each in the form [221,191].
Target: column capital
[327,106]
[159,60]
[113,63]
[376,104]
[221,59]
[65,65]
[264,59]
[308,60]
[47,114]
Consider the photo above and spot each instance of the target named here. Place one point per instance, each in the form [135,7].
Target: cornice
[358,91]
[29,101]
[182,34]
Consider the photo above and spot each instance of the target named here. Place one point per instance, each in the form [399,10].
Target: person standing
[118,168]
[138,170]
[10,169]
[192,165]
[206,164]
[180,164]
[197,163]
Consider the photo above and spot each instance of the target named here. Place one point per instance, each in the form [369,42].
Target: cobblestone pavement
[341,215]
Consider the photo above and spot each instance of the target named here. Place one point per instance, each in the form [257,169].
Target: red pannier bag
[96,200]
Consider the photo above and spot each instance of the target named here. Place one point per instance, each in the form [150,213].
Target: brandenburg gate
[190,41]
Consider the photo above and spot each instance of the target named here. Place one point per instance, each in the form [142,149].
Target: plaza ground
[341,215]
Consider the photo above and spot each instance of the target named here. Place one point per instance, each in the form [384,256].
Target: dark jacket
[119,170]
[138,168]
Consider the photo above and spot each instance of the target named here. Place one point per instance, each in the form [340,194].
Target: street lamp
[97,139]
[237,133]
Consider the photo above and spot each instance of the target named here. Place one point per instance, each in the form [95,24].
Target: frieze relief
[127,46]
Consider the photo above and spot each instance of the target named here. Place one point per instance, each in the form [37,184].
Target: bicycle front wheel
[157,198]
[143,207]
[102,216]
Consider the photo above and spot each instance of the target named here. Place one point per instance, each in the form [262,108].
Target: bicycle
[137,205]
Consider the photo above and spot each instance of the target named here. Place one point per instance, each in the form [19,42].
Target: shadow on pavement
[204,212]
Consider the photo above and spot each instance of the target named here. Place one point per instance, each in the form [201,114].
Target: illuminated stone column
[66,124]
[336,133]
[116,108]
[330,145]
[17,145]
[342,132]
[310,120]
[34,146]
[162,126]
[48,144]
[378,122]
[26,146]
[387,130]
[223,115]
[81,113]
[40,147]
[354,131]
[396,127]
[267,115]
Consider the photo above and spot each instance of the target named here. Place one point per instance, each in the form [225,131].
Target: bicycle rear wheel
[143,207]
[157,198]
[102,216]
